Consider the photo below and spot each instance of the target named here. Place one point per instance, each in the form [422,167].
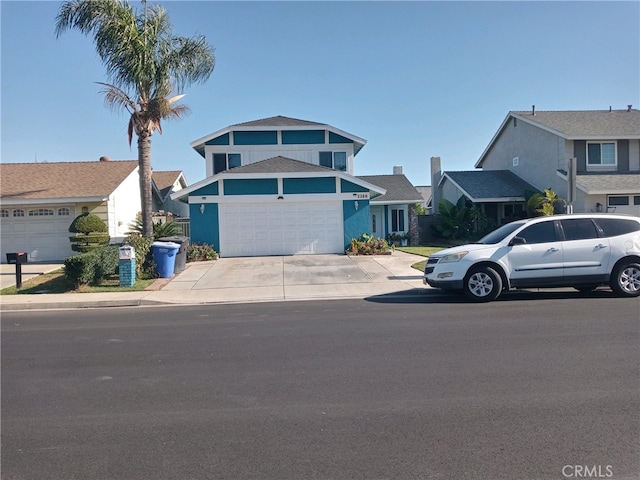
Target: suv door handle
[600,246]
[552,249]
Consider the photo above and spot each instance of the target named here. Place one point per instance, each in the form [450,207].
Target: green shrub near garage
[91,233]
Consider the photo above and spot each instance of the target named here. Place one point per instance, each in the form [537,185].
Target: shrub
[368,245]
[91,267]
[200,252]
[144,255]
[90,233]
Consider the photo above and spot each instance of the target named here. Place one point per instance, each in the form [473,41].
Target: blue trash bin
[164,256]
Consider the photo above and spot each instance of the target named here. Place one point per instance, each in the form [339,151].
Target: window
[397,220]
[539,233]
[335,160]
[601,153]
[612,227]
[618,200]
[513,210]
[225,161]
[41,212]
[4,213]
[18,213]
[85,209]
[64,212]
[373,224]
[579,229]
[636,199]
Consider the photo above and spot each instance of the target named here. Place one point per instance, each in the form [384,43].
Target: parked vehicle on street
[583,251]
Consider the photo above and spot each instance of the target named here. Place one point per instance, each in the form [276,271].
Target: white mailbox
[127,252]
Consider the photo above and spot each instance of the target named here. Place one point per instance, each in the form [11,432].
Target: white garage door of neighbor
[257,229]
[44,237]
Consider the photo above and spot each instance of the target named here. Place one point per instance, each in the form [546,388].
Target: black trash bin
[181,256]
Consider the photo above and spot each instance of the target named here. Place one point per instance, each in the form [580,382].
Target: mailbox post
[127,266]
[18,259]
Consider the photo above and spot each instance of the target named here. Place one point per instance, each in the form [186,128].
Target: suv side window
[612,227]
[539,233]
[579,229]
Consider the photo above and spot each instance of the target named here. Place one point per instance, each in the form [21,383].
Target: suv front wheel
[482,284]
[625,279]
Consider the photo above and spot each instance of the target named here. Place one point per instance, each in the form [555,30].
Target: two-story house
[281,186]
[534,150]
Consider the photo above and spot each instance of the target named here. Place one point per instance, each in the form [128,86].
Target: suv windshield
[499,234]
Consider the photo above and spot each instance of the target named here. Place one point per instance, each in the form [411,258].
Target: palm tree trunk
[144,164]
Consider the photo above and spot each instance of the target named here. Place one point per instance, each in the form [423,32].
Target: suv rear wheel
[482,284]
[625,279]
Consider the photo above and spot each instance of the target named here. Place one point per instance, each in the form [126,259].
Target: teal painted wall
[205,226]
[348,187]
[309,185]
[255,138]
[302,137]
[356,222]
[252,186]
[221,140]
[211,189]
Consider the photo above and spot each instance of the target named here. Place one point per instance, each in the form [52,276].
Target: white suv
[581,251]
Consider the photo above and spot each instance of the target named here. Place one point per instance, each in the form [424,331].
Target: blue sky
[415,79]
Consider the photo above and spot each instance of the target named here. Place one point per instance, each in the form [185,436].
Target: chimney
[436,174]
[105,159]
[397,169]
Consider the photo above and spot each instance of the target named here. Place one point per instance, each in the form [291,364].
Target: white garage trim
[280,228]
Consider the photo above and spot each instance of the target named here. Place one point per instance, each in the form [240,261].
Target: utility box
[127,266]
[18,258]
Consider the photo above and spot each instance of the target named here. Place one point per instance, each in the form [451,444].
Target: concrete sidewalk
[255,279]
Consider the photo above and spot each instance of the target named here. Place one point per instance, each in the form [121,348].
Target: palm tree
[146,64]
[546,204]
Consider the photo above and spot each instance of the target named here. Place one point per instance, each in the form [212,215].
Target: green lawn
[55,282]
[422,251]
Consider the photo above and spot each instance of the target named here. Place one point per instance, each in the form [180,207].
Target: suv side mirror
[517,241]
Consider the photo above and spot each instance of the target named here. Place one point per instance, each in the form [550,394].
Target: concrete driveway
[29,270]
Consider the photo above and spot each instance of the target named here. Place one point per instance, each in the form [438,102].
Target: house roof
[271,123]
[608,183]
[577,125]
[24,182]
[276,167]
[426,192]
[489,185]
[399,189]
[164,181]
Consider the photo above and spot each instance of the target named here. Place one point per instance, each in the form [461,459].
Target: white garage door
[40,231]
[257,229]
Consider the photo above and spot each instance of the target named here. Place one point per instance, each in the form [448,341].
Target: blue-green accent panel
[308,185]
[251,186]
[221,140]
[356,220]
[211,189]
[302,137]
[335,138]
[348,187]
[205,226]
[255,138]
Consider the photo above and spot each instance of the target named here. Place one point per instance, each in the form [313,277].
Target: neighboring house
[394,212]
[535,148]
[281,186]
[164,184]
[427,200]
[38,202]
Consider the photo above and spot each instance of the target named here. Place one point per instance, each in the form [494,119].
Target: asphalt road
[540,386]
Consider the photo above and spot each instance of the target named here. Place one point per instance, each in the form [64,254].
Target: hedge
[92,266]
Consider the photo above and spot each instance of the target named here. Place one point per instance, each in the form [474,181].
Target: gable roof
[276,167]
[274,123]
[577,125]
[60,181]
[164,181]
[606,183]
[399,189]
[489,185]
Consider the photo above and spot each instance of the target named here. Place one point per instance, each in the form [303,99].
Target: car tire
[482,284]
[625,279]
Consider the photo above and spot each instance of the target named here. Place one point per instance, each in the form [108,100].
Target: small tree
[454,219]
[90,233]
[545,204]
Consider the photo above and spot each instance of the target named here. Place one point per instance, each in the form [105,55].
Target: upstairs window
[335,160]
[225,161]
[601,154]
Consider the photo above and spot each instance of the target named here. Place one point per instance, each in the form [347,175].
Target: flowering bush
[197,252]
[368,245]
